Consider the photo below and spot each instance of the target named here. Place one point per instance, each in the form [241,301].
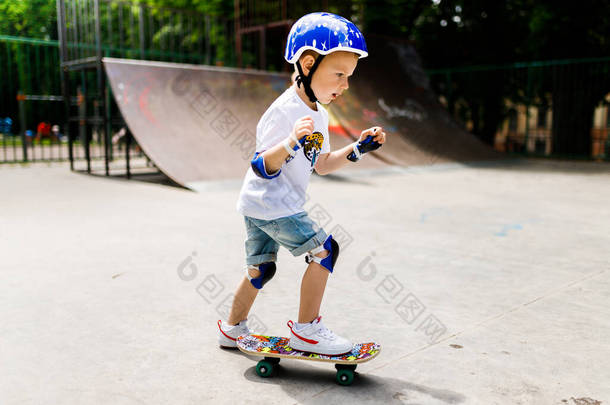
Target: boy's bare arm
[330,162]
[277,155]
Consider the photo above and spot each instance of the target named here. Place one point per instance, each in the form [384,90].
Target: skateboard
[274,348]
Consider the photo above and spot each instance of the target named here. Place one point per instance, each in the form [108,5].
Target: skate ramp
[391,89]
[198,123]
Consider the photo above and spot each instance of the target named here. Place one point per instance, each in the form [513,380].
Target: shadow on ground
[307,384]
[153,178]
[542,165]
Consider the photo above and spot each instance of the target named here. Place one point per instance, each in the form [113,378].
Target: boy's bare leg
[312,290]
[243,300]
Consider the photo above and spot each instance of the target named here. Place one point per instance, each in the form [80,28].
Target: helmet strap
[306,80]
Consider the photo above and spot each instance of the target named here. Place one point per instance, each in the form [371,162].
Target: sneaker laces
[325,332]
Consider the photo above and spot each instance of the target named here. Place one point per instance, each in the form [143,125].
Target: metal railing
[92,29]
[137,31]
[31,105]
[31,92]
[553,108]
[28,96]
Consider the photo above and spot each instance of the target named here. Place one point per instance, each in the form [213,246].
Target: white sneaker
[228,334]
[317,338]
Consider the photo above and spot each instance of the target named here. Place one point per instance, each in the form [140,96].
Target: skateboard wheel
[345,377]
[264,368]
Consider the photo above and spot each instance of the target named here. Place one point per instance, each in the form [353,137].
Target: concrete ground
[485,284]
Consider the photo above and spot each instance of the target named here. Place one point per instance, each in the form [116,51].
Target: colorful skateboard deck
[274,348]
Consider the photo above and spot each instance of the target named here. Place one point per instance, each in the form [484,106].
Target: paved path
[485,284]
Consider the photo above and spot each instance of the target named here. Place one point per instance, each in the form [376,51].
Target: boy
[292,141]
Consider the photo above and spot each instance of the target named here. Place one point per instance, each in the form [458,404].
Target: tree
[32,18]
[473,32]
[561,30]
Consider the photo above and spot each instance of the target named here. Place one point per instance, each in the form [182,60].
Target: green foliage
[220,12]
[28,18]
[569,29]
[476,32]
[392,17]
[209,7]
[446,33]
[471,32]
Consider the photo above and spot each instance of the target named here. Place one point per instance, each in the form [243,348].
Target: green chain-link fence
[553,108]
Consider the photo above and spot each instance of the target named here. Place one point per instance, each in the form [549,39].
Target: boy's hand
[376,132]
[303,127]
[370,140]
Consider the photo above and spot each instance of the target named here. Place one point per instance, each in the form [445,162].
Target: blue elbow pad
[258,165]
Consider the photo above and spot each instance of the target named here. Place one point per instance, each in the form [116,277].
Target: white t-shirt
[284,195]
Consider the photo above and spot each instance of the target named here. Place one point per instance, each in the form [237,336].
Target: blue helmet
[323,33]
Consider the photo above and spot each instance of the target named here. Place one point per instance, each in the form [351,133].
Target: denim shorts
[297,233]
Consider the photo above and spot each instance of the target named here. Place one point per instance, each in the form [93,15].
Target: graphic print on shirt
[312,147]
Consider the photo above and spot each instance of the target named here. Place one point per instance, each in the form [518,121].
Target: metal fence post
[101,85]
[65,76]
[127,152]
[108,132]
[263,49]
[449,93]
[527,110]
[22,124]
[208,57]
[238,49]
[141,31]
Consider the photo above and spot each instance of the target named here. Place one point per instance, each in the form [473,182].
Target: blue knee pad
[333,253]
[267,271]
